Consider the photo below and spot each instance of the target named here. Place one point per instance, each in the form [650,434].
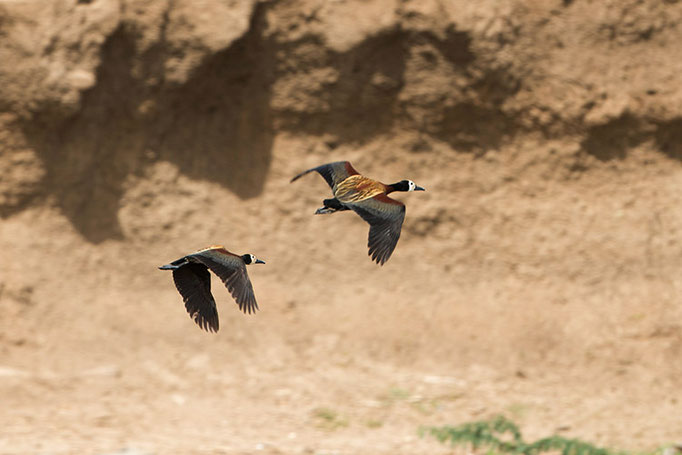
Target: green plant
[503,436]
[374,423]
[329,419]
[393,396]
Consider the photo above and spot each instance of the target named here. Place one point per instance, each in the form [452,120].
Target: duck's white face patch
[411,185]
[253,258]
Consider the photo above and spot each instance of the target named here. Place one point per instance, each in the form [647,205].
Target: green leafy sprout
[504,437]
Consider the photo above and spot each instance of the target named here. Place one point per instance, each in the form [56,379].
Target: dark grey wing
[232,271]
[333,173]
[194,284]
[385,217]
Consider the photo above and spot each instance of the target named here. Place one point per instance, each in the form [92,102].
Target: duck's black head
[251,259]
[406,185]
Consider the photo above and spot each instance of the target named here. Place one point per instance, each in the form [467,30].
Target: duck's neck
[399,186]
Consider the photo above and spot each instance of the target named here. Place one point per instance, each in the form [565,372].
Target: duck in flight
[369,199]
[191,277]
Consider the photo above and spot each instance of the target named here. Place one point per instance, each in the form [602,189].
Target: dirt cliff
[537,277]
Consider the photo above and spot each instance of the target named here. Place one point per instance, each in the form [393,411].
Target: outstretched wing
[385,217]
[194,285]
[334,173]
[232,271]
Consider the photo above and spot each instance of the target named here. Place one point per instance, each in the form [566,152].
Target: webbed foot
[324,211]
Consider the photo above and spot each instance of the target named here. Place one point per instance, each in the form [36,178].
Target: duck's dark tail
[174,265]
[331,206]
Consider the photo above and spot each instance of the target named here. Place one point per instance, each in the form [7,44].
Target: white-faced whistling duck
[193,281]
[369,199]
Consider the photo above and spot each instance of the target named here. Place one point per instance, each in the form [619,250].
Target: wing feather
[334,173]
[232,271]
[385,217]
[194,285]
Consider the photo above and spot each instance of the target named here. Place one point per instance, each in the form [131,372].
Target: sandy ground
[344,357]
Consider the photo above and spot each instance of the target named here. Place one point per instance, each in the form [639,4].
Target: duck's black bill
[168,267]
[258,261]
[419,188]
